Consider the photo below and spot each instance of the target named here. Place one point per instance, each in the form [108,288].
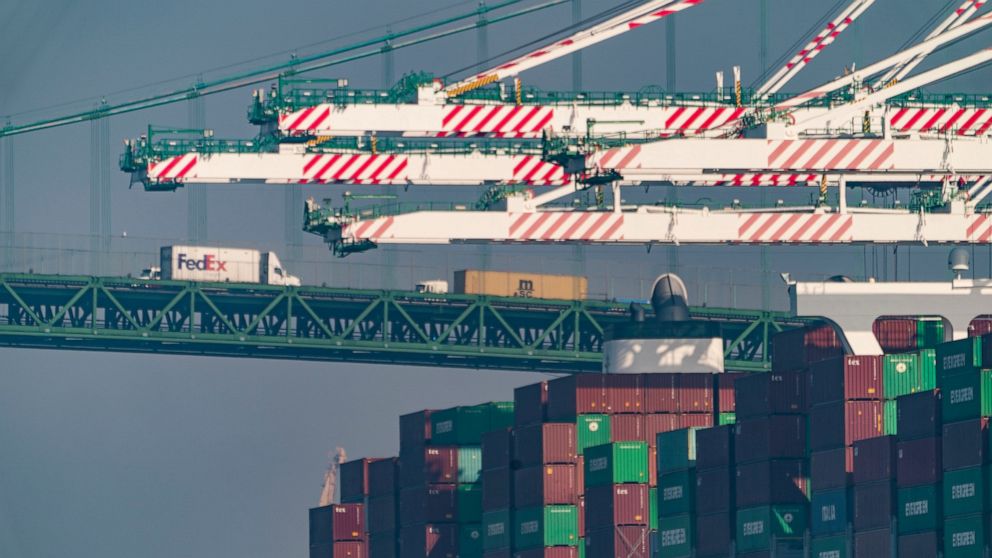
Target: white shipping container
[203,263]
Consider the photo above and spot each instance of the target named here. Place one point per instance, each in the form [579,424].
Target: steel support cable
[298,66]
[930,23]
[801,42]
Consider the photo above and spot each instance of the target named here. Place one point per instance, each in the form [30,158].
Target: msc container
[496,529]
[874,505]
[459,426]
[591,430]
[966,491]
[629,541]
[762,394]
[625,393]
[617,504]
[382,514]
[795,349]
[726,403]
[919,415]
[469,464]
[677,492]
[831,469]
[577,394]
[497,449]
[520,284]
[845,378]
[338,522]
[829,511]
[529,404]
[545,485]
[355,480]
[415,431]
[714,533]
[964,537]
[469,540]
[428,504]
[919,462]
[430,465]
[907,373]
[662,392]
[383,480]
[714,491]
[919,545]
[715,447]
[545,526]
[955,357]
[965,444]
[875,459]
[497,488]
[627,428]
[675,537]
[616,463]
[756,526]
[781,481]
[839,424]
[832,546]
[873,543]
[676,450]
[552,442]
[770,437]
[966,396]
[433,540]
[346,549]
[468,503]
[918,509]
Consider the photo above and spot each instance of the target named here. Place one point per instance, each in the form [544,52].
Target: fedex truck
[223,265]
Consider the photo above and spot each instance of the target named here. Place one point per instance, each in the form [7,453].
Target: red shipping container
[497,489]
[497,449]
[918,415]
[627,428]
[337,522]
[795,349]
[696,394]
[695,420]
[430,465]
[429,541]
[355,480]
[415,430]
[845,378]
[661,392]
[625,393]
[919,462]
[529,404]
[725,391]
[763,394]
[840,424]
[966,444]
[384,545]
[383,513]
[782,481]
[383,478]
[552,442]
[980,326]
[873,543]
[545,485]
[431,503]
[713,534]
[831,469]
[874,505]
[875,459]
[577,394]
[548,552]
[895,335]
[627,542]
[715,447]
[617,504]
[919,545]
[582,516]
[652,466]
[713,491]
[347,549]
[769,437]
[580,470]
[655,424]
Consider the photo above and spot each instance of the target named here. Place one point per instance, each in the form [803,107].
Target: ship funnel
[670,299]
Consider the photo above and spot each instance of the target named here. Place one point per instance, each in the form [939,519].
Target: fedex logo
[208,263]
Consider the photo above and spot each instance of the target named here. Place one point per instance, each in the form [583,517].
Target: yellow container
[526,285]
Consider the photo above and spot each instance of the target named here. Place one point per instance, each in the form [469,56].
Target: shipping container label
[752,528]
[950,362]
[961,491]
[964,538]
[828,513]
[673,537]
[913,509]
[495,529]
[529,527]
[444,427]
[828,554]
[961,395]
[599,463]
[672,493]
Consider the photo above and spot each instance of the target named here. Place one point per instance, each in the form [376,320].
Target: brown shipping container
[582,515]
[652,466]
[338,522]
[658,423]
[831,469]
[783,481]
[497,489]
[627,428]
[919,462]
[429,541]
[355,480]
[435,503]
[875,459]
[575,395]
[552,442]
[430,465]
[770,437]
[627,541]
[895,335]
[548,552]
[874,505]
[918,415]
[661,392]
[980,327]
[383,479]
[415,430]
[725,391]
[713,534]
[695,420]
[521,284]
[714,490]
[839,424]
[529,404]
[626,393]
[919,545]
[796,349]
[766,393]
[383,513]
[966,444]
[873,543]
[497,449]
[384,545]
[696,394]
[845,378]
[617,504]
[545,485]
[715,447]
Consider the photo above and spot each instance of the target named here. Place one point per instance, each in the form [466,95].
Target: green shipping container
[500,415]
[929,333]
[469,502]
[470,540]
[890,418]
[616,463]
[497,530]
[829,547]
[547,526]
[957,357]
[676,537]
[653,509]
[726,418]
[907,373]
[591,430]
[965,491]
[964,537]
[582,548]
[460,426]
[469,465]
[677,493]
[676,450]
[918,509]
[757,526]
[966,396]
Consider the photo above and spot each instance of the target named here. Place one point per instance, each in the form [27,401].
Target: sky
[170,456]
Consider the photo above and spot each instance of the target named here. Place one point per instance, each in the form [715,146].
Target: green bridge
[331,324]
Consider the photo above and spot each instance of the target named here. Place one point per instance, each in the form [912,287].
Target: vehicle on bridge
[220,265]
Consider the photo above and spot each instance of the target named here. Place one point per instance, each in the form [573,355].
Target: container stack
[497,492]
[356,487]
[918,474]
[901,335]
[338,531]
[676,506]
[617,500]
[382,517]
[714,493]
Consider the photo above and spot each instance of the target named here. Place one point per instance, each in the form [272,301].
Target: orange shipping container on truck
[526,285]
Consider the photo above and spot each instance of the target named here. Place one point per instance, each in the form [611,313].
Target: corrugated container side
[497,529]
[547,526]
[661,392]
[552,442]
[676,537]
[415,430]
[497,449]
[919,545]
[433,464]
[839,424]
[652,466]
[959,356]
[529,404]
[696,393]
[907,373]
[625,393]
[919,462]
[627,428]
[577,394]
[383,480]
[435,541]
[918,508]
[548,552]
[980,327]
[725,391]
[520,284]
[497,489]
[965,536]
[503,553]
[919,415]
[782,481]
[875,459]
[676,449]
[435,503]
[771,393]
[715,490]
[677,493]
[384,545]
[714,533]
[468,503]
[829,511]
[831,469]
[756,526]
[874,505]
[965,444]
[545,485]
[873,543]
[591,430]
[657,423]
[695,420]
[895,335]
[337,522]
[795,349]
[617,504]
[469,464]
[341,549]
[463,425]
[627,541]
[965,491]
[383,514]
[845,378]
[616,463]
[715,447]
[770,437]
[354,476]
[829,546]
[966,396]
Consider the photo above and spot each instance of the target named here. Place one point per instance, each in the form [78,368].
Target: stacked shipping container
[918,509]
[676,505]
[617,500]
[715,495]
[338,531]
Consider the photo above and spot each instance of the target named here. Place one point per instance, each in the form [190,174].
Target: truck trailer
[221,265]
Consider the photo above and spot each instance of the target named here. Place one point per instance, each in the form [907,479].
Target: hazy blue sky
[161,457]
